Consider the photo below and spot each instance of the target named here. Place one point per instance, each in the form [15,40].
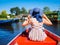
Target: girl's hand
[25,23]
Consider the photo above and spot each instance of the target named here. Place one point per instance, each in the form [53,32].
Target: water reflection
[58,33]
[8,32]
[55,28]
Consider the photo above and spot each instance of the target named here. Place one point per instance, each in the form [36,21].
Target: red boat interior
[23,40]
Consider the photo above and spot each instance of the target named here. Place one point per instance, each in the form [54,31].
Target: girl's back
[36,23]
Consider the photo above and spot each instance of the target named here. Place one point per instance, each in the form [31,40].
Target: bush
[3,16]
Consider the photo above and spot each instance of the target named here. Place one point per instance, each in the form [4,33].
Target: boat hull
[23,40]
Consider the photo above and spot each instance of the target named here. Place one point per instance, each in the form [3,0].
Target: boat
[9,21]
[5,21]
[20,39]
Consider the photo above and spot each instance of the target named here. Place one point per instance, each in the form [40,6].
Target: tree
[23,10]
[15,10]
[3,14]
[46,10]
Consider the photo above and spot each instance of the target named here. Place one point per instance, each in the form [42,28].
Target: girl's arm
[46,20]
[28,21]
[25,23]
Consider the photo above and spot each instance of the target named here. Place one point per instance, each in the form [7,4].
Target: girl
[36,19]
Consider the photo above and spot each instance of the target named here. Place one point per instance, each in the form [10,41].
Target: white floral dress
[37,33]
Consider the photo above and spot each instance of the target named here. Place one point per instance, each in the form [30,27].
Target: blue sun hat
[36,13]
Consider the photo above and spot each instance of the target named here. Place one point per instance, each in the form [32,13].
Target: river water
[8,32]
